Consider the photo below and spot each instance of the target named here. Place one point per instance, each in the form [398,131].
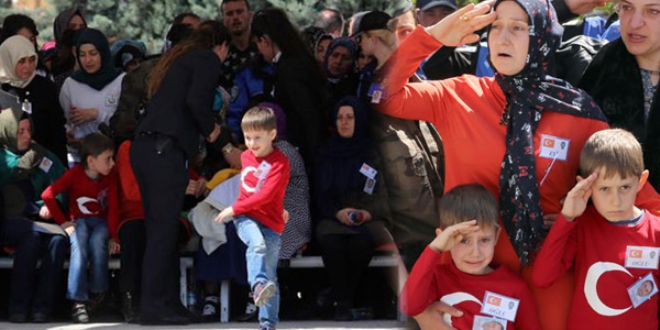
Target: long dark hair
[209,35]
[275,23]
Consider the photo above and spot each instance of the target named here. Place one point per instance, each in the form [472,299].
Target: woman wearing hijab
[339,63]
[519,133]
[66,26]
[346,184]
[623,79]
[89,96]
[18,76]
[26,170]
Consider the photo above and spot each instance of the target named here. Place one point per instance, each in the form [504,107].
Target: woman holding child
[519,133]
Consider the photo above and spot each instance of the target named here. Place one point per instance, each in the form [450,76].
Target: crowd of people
[511,164]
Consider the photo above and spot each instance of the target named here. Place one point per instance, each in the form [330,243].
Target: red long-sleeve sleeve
[59,186]
[421,288]
[557,253]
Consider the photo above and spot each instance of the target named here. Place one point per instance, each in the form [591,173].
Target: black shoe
[40,318]
[211,309]
[362,314]
[95,300]
[129,307]
[18,318]
[343,312]
[251,313]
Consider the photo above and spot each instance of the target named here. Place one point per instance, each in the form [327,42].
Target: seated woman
[18,76]
[90,95]
[346,183]
[27,169]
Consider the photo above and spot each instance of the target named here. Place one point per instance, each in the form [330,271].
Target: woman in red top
[519,133]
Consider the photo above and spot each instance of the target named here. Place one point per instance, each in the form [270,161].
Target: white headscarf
[13,50]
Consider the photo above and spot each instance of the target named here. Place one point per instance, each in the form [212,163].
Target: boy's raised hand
[452,235]
[577,198]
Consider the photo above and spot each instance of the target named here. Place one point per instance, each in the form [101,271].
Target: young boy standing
[613,244]
[488,297]
[93,216]
[258,213]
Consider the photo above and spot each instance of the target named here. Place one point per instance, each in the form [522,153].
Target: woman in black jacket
[18,62]
[178,118]
[299,84]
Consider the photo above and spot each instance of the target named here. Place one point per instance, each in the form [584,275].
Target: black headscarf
[108,72]
[529,93]
[62,21]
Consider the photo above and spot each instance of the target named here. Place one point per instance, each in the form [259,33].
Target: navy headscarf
[528,94]
[108,72]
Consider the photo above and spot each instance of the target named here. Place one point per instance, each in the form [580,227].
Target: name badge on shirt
[45,164]
[368,171]
[554,147]
[643,257]
[262,172]
[500,306]
[642,290]
[376,93]
[484,322]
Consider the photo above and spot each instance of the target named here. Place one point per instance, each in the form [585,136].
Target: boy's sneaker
[79,312]
[265,327]
[262,292]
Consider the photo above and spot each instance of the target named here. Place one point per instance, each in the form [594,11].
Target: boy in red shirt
[490,298]
[613,245]
[258,213]
[93,216]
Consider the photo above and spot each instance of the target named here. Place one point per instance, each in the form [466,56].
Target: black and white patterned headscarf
[529,93]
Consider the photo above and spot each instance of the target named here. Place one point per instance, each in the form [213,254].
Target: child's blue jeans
[263,249]
[89,244]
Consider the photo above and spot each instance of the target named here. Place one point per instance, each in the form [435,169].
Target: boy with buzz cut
[258,213]
[92,221]
[612,244]
[487,296]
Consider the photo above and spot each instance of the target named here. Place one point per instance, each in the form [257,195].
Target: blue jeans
[263,249]
[89,243]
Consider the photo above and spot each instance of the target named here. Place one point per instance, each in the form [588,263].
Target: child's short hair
[259,118]
[93,145]
[468,202]
[615,150]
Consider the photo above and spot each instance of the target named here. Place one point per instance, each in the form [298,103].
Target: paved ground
[318,325]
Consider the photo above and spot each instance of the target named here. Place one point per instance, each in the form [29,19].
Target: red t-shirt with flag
[87,198]
[431,281]
[262,199]
[598,249]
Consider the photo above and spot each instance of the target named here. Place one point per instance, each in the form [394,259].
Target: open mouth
[505,55]
[636,37]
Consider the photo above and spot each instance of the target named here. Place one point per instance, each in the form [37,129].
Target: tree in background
[148,20]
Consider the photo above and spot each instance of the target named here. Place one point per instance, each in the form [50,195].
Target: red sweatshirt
[265,204]
[590,242]
[87,198]
[467,111]
[430,281]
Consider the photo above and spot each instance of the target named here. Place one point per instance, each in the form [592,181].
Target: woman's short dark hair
[14,23]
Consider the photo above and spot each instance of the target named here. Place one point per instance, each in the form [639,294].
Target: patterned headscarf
[347,43]
[529,93]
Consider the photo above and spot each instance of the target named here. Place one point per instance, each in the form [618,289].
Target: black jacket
[301,91]
[181,108]
[47,115]
[614,81]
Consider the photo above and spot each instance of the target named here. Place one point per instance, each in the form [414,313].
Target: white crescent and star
[454,299]
[244,173]
[590,292]
[81,204]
